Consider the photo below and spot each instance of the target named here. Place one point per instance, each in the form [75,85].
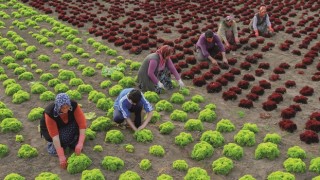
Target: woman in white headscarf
[228,31]
[260,23]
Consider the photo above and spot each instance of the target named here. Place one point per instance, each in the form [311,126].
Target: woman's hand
[78,149]
[237,40]
[227,45]
[62,158]
[271,29]
[79,146]
[225,60]
[213,61]
[160,85]
[256,33]
[181,84]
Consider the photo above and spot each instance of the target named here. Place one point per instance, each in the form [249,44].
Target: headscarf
[61,99]
[229,18]
[164,51]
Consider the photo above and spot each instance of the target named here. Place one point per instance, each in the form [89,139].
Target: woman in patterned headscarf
[63,125]
[155,71]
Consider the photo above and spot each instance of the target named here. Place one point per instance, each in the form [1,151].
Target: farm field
[264,103]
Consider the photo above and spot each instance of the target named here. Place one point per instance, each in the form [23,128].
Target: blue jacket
[123,104]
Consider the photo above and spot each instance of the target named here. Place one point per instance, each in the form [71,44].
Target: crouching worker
[228,32]
[132,100]
[208,46]
[156,69]
[63,125]
[261,24]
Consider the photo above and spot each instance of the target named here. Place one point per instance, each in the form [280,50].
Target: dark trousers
[230,37]
[136,109]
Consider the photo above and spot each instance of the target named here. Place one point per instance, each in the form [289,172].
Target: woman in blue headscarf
[63,125]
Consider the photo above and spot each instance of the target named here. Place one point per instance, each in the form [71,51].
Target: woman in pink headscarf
[155,71]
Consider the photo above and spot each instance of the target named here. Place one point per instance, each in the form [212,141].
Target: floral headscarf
[61,99]
[164,51]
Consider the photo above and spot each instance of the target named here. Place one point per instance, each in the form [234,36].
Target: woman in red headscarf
[155,71]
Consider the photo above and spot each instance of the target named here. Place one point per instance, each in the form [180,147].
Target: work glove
[79,146]
[160,85]
[62,158]
[181,84]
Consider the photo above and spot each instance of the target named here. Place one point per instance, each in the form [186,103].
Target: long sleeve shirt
[223,27]
[204,46]
[52,125]
[123,104]
[255,21]
[152,69]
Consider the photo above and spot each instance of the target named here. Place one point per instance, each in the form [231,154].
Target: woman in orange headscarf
[155,71]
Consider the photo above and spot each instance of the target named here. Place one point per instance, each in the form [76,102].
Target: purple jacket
[204,46]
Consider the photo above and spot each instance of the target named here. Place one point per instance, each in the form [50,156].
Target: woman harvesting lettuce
[63,125]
